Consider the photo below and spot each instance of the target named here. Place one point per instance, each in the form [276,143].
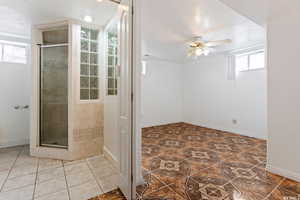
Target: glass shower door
[54,96]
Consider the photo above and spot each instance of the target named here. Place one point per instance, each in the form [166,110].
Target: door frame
[136,100]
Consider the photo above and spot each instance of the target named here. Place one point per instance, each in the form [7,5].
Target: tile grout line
[95,177]
[10,170]
[66,181]
[274,188]
[36,177]
[222,160]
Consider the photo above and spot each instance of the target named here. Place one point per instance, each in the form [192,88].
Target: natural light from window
[250,61]
[13,53]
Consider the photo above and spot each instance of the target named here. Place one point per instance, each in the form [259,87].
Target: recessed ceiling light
[88,18]
[99,1]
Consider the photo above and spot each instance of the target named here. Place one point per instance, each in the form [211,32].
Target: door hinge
[132,97]
[132,11]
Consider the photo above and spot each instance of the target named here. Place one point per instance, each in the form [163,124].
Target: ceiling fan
[199,47]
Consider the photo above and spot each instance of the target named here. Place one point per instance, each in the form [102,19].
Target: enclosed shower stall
[67,114]
[54,88]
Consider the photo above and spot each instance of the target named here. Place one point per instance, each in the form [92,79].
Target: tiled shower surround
[87,137]
[68,128]
[187,162]
[23,177]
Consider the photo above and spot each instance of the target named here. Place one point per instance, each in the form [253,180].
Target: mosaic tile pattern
[113,195]
[187,162]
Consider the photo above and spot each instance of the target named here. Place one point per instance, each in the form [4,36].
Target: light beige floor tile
[104,171]
[45,163]
[3,176]
[22,170]
[48,174]
[11,149]
[9,155]
[66,162]
[25,193]
[19,182]
[85,191]
[79,178]
[76,168]
[7,159]
[62,195]
[49,187]
[26,159]
[98,162]
[6,165]
[109,183]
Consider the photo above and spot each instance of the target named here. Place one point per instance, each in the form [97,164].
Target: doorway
[76,75]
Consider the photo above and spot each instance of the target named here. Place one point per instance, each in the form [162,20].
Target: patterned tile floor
[187,162]
[112,195]
[23,177]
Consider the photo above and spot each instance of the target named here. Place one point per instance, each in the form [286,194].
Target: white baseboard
[230,129]
[283,172]
[13,143]
[108,155]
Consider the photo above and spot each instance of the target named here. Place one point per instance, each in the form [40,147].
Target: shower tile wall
[88,130]
[84,134]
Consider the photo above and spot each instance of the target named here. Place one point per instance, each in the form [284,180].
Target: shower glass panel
[54,90]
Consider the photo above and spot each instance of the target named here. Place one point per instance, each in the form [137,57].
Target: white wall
[211,100]
[14,90]
[161,93]
[284,89]
[111,128]
[200,93]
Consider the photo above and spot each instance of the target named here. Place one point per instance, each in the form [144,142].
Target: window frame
[249,54]
[14,44]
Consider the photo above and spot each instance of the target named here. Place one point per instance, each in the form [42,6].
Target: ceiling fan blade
[217,43]
[191,52]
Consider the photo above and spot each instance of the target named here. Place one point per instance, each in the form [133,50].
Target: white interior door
[14,101]
[125,91]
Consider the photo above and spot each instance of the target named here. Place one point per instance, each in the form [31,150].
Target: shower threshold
[54,146]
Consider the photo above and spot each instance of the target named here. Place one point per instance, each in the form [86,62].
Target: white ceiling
[16,16]
[167,26]
[256,10]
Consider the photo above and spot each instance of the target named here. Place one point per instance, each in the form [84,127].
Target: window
[89,66]
[250,61]
[13,53]
[112,63]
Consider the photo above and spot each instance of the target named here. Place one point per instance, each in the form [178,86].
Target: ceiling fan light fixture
[88,18]
[199,52]
[198,46]
[206,52]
